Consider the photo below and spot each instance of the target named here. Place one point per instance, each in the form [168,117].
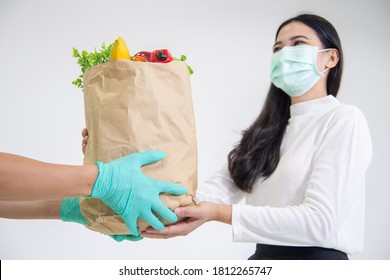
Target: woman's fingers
[196,216]
[179,229]
[84,144]
[156,235]
[196,212]
[84,134]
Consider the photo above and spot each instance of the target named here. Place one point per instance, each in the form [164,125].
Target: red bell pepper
[161,56]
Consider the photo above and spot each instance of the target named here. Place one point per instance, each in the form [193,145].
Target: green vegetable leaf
[184,58]
[89,59]
[75,53]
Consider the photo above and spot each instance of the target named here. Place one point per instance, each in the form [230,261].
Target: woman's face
[298,34]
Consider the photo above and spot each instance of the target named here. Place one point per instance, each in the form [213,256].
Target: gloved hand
[126,190]
[70,212]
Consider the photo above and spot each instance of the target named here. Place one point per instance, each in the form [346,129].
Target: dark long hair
[257,154]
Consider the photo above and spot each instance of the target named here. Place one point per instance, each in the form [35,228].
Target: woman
[301,165]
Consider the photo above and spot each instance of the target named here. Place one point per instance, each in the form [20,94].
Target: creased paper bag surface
[138,106]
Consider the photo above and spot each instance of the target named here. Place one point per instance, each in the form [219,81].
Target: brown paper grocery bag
[138,106]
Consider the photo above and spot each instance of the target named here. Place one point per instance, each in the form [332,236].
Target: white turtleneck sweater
[316,195]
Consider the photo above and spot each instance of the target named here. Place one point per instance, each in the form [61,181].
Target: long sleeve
[332,211]
[220,188]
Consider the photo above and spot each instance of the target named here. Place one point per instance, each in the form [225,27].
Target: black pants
[271,252]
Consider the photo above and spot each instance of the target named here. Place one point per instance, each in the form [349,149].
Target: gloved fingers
[171,188]
[164,212]
[131,224]
[148,157]
[118,238]
[131,237]
[152,220]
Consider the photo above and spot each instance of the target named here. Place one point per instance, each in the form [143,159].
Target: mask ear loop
[323,72]
[325,50]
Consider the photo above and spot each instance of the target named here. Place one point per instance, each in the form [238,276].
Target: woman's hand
[84,143]
[196,216]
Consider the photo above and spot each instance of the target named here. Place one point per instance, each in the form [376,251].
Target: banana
[119,50]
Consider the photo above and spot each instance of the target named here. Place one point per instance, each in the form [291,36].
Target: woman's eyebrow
[292,39]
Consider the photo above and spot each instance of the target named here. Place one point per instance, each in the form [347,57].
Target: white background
[228,44]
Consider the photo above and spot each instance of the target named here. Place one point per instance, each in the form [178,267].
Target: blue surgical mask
[294,69]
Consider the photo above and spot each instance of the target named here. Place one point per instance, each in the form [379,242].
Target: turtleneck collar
[315,106]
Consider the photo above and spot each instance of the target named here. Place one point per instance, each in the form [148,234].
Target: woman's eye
[276,49]
[297,43]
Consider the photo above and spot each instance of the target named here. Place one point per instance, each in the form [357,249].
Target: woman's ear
[333,58]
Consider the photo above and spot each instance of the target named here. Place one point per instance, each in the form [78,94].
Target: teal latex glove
[126,190]
[70,212]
